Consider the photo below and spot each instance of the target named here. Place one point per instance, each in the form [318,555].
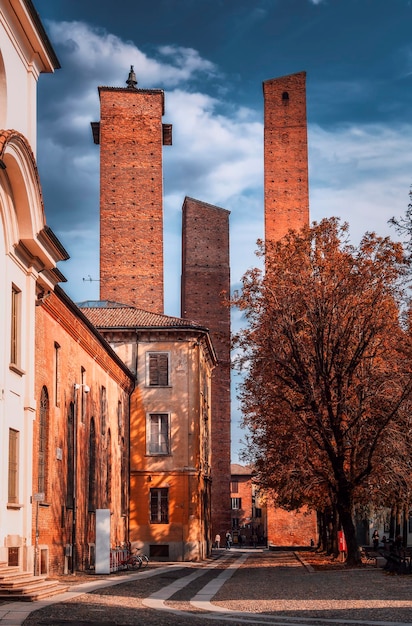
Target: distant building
[247,507]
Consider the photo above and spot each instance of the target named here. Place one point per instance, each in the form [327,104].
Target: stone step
[35,590]
[18,580]
[8,575]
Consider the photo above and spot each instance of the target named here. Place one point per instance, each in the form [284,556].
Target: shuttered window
[158,369]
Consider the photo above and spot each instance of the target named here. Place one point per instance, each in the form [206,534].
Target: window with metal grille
[158,369]
[158,433]
[13,478]
[159,506]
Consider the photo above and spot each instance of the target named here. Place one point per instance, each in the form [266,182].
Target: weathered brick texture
[285,155]
[205,282]
[131,197]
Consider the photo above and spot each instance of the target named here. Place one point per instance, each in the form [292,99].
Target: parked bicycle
[144,560]
[131,560]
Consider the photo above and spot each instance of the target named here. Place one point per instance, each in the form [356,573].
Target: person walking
[228,540]
[217,541]
[375,540]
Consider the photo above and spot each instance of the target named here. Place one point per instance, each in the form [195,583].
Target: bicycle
[132,560]
[144,560]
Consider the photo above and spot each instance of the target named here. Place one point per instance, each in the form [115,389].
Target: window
[235,486]
[235,522]
[56,374]
[158,369]
[158,433]
[109,470]
[119,418]
[92,468]
[103,409]
[124,472]
[258,512]
[15,326]
[70,457]
[83,395]
[236,503]
[42,451]
[159,506]
[13,479]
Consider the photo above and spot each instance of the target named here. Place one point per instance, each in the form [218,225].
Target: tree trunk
[344,507]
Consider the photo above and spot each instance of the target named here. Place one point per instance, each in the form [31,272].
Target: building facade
[80,439]
[28,256]
[204,293]
[170,428]
[131,137]
[286,186]
[248,508]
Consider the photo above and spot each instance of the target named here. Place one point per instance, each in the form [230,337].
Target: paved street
[234,587]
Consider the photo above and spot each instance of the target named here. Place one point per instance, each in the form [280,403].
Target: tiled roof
[240,470]
[115,315]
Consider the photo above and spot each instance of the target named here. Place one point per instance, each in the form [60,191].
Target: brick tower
[205,275]
[131,135]
[285,155]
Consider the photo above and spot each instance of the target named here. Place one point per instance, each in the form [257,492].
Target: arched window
[109,470]
[43,431]
[285,96]
[92,468]
[124,475]
[70,457]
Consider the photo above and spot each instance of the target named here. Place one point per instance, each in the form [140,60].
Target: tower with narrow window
[205,286]
[131,136]
[286,186]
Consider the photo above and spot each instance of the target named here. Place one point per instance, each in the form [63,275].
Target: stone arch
[3,93]
[21,202]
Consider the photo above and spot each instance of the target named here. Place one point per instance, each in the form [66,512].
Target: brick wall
[205,275]
[290,528]
[131,197]
[58,328]
[285,155]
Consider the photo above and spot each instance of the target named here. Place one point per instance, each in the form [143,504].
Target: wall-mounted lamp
[42,297]
[86,388]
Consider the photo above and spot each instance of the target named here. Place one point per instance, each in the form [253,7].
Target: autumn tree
[327,367]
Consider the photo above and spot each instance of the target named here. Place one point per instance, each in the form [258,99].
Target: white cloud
[361,173]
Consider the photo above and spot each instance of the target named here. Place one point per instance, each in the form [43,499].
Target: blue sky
[211,57]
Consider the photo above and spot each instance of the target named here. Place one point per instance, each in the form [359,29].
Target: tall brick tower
[285,155]
[205,275]
[131,135]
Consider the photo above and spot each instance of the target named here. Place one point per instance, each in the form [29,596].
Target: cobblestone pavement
[239,587]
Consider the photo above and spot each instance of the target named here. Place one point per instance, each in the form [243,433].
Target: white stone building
[29,252]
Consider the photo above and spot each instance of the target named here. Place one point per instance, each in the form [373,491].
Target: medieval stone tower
[286,187]
[131,135]
[205,283]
